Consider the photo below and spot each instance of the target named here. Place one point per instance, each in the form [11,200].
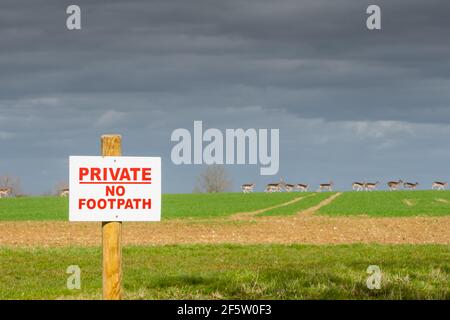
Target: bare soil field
[305,227]
[245,228]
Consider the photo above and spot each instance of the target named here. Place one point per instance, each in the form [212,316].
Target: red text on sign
[122,175]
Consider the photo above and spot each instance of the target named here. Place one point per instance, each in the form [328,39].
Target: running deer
[439,185]
[394,185]
[410,185]
[273,187]
[326,186]
[64,192]
[248,187]
[370,186]
[289,187]
[358,186]
[302,187]
[4,192]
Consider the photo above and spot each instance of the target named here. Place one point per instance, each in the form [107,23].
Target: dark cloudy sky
[351,104]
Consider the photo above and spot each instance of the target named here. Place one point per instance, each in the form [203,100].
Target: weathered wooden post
[112,234]
[113,189]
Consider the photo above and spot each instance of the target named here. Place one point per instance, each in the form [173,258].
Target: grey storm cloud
[146,67]
[294,49]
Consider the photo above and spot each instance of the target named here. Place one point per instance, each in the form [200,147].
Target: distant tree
[214,178]
[12,183]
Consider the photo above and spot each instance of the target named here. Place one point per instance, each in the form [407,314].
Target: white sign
[115,189]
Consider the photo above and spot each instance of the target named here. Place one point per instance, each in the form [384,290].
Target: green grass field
[234,272]
[380,203]
[309,201]
[220,204]
[174,205]
[390,204]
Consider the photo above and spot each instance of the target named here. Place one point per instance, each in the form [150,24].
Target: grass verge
[234,272]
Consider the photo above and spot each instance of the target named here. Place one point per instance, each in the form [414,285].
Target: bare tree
[213,178]
[13,183]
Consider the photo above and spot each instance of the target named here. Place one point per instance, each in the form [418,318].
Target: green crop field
[233,272]
[390,203]
[379,203]
[173,205]
[311,200]
[220,204]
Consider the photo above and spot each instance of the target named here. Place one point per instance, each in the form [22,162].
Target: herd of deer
[356,186]
[278,187]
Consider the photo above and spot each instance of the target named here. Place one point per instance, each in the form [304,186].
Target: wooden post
[112,235]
